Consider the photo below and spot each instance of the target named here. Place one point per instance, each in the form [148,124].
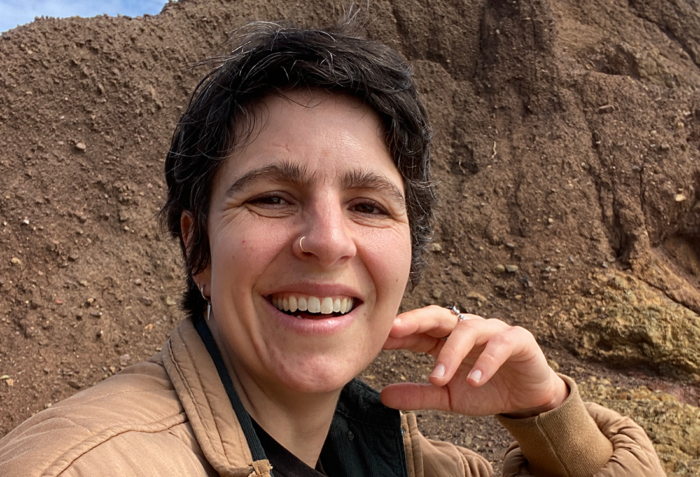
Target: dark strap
[244,419]
[365,436]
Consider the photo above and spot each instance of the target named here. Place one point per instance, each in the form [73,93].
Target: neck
[298,421]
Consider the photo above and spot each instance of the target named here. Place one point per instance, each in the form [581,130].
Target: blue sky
[19,12]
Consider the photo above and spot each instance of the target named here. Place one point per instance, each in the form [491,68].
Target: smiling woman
[319,169]
[299,189]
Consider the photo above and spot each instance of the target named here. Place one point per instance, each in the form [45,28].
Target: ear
[186,225]
[187,230]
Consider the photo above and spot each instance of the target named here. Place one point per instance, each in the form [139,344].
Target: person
[299,189]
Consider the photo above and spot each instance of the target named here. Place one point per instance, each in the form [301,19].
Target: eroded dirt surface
[566,151]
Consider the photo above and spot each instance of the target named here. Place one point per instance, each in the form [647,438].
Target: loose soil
[566,146]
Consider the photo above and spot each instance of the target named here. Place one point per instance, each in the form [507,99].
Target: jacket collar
[364,432]
[204,399]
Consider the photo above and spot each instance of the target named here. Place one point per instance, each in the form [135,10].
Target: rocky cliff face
[567,140]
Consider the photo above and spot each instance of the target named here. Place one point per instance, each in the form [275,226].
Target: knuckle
[522,332]
[503,340]
[497,323]
[470,324]
[489,358]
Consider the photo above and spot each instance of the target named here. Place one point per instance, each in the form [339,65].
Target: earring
[207,299]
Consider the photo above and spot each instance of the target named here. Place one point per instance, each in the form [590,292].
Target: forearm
[580,440]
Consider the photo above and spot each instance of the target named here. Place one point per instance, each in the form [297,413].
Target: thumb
[414,396]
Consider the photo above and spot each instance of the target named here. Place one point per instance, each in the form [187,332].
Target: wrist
[560,393]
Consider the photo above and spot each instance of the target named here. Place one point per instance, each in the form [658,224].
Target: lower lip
[316,326]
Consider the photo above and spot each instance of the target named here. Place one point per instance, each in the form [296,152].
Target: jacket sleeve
[579,440]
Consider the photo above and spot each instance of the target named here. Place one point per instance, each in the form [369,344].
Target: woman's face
[318,168]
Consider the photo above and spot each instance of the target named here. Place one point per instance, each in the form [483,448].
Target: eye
[369,208]
[269,201]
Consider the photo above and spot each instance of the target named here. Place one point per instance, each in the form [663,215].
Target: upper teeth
[312,304]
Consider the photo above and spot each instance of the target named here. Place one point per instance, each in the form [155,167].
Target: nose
[326,235]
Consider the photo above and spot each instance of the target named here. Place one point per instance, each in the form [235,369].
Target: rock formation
[566,150]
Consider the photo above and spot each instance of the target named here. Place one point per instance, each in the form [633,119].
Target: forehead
[324,134]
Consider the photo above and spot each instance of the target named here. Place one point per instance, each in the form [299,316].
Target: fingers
[466,335]
[418,343]
[488,344]
[499,349]
[434,321]
[421,330]
[411,396]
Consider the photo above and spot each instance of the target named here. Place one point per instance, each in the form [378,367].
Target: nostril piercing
[301,240]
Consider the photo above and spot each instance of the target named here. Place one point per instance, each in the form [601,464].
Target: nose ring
[300,244]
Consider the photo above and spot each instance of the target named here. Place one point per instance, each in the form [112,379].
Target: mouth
[313,307]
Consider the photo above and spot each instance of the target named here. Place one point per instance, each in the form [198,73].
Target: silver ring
[460,316]
[301,246]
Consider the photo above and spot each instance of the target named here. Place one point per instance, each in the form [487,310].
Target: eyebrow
[283,172]
[288,172]
[372,180]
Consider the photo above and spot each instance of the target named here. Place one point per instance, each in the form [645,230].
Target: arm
[579,439]
[487,367]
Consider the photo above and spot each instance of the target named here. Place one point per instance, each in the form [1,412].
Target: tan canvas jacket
[171,416]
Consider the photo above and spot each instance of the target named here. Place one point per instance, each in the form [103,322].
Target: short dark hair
[273,58]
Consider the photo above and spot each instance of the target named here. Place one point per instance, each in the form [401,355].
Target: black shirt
[284,463]
[365,437]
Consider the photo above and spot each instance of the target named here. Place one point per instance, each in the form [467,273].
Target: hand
[484,367]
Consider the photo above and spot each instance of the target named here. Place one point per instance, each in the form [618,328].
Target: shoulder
[130,415]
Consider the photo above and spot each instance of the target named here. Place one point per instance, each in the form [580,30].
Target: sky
[19,12]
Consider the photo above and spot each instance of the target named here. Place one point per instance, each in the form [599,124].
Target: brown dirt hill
[567,152]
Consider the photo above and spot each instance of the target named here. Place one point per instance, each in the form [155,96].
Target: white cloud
[19,12]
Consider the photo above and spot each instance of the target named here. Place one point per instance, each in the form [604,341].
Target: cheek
[389,260]
[237,261]
[245,244]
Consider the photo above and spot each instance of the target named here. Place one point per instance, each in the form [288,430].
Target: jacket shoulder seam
[62,463]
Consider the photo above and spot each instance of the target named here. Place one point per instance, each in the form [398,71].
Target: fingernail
[438,372]
[475,375]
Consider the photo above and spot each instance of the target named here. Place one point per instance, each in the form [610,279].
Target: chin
[320,374]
